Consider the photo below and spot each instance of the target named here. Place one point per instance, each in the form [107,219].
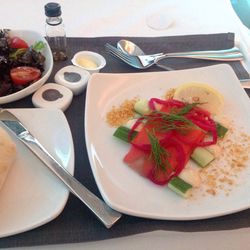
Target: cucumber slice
[180,187]
[202,156]
[142,107]
[221,130]
[191,176]
[123,132]
[129,124]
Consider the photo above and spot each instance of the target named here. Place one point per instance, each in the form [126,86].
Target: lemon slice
[210,99]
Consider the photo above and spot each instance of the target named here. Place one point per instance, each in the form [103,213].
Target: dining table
[89,25]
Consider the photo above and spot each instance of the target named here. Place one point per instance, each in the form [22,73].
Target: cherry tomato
[18,43]
[23,75]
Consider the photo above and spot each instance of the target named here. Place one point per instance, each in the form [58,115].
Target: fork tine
[117,52]
[131,60]
[119,57]
[113,53]
[111,48]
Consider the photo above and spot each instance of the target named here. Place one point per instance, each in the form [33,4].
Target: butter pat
[86,63]
[88,60]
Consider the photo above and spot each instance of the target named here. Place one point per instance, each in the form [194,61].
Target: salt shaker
[55,32]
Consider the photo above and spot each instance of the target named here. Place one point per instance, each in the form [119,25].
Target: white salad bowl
[31,37]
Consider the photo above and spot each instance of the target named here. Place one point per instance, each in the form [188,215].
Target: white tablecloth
[128,18]
[124,17]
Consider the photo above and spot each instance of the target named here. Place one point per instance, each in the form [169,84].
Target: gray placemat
[76,223]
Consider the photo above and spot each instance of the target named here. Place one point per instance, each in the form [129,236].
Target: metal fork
[146,61]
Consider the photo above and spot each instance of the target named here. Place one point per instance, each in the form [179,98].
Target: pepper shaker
[55,31]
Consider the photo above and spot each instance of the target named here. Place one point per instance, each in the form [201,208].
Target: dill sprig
[187,108]
[165,122]
[158,154]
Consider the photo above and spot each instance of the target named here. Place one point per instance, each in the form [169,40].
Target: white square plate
[32,195]
[121,187]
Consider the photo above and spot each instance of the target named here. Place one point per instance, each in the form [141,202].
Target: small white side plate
[32,195]
[121,187]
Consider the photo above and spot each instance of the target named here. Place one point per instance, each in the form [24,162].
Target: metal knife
[245,83]
[103,212]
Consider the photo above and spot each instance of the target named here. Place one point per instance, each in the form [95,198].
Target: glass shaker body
[56,37]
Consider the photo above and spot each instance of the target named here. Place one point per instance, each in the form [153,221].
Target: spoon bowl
[130,48]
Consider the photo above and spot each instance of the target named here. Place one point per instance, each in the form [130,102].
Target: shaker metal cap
[52,9]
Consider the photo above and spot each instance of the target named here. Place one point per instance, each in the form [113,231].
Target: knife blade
[103,212]
[245,83]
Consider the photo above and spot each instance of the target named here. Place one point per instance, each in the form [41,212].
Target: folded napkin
[76,223]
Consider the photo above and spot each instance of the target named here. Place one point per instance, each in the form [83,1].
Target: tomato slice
[23,75]
[136,159]
[179,147]
[17,43]
[160,177]
[190,137]
[142,163]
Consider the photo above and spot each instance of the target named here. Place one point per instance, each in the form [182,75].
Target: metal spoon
[131,48]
